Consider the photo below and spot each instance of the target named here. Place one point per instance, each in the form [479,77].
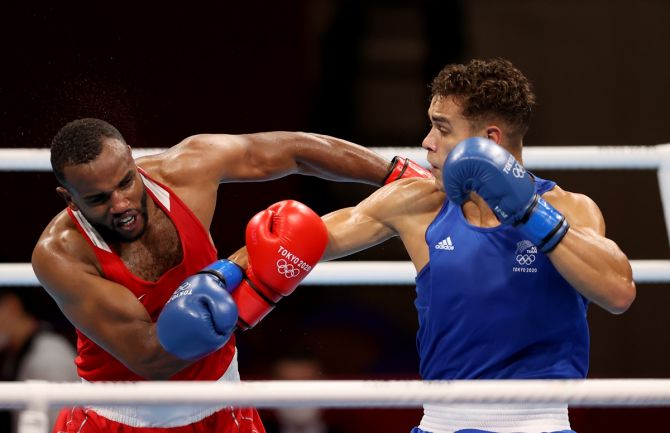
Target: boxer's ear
[494,133]
[67,197]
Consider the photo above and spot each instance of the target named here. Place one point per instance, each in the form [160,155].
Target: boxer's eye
[97,199]
[126,182]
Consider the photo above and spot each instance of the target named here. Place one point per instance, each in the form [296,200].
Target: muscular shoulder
[403,198]
[167,167]
[579,209]
[187,170]
[61,245]
[180,164]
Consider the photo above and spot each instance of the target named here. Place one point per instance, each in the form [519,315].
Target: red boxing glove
[284,242]
[402,168]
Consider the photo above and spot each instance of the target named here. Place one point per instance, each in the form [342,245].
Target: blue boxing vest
[491,306]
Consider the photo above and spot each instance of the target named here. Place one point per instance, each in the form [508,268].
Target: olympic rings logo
[525,259]
[518,170]
[287,269]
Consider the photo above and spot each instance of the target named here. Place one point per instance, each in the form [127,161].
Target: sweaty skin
[591,263]
[110,193]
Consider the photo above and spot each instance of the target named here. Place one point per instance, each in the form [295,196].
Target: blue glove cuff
[544,225]
[227,271]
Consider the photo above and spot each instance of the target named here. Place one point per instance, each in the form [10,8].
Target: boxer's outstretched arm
[353,229]
[106,312]
[403,209]
[350,229]
[393,210]
[270,155]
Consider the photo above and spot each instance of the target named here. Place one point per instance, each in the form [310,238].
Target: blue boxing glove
[480,165]
[200,316]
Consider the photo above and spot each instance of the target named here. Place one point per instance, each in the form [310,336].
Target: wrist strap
[396,170]
[543,224]
[403,168]
[227,271]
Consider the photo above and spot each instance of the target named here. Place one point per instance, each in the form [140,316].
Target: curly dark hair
[79,142]
[486,88]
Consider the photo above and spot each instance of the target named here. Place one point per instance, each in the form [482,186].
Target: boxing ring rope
[339,393]
[355,273]
[35,398]
[555,157]
[402,273]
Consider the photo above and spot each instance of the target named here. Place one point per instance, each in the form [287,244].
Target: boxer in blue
[507,262]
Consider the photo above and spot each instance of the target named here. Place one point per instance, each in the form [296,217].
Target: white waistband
[501,418]
[165,416]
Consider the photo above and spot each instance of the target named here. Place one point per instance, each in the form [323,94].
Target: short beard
[112,236]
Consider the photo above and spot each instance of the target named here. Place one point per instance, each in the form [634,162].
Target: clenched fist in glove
[283,242]
[480,165]
[200,316]
[403,168]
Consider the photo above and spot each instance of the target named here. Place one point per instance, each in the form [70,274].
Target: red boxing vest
[93,362]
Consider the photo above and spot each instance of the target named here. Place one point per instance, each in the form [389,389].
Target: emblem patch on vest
[524,256]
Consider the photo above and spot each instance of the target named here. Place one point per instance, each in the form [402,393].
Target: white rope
[558,157]
[563,157]
[38,159]
[354,273]
[568,157]
[37,397]
[264,394]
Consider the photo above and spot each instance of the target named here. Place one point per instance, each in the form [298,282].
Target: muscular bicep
[250,157]
[106,312]
[271,155]
[403,208]
[353,229]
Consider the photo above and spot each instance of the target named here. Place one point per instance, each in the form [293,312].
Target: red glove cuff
[254,301]
[402,168]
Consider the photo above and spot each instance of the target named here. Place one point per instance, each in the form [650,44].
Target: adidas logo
[445,244]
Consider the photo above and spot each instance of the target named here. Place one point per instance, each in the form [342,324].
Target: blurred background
[358,70]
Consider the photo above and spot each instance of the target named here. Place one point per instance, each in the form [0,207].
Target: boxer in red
[134,237]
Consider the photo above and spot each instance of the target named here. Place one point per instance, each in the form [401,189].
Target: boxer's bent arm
[348,233]
[353,229]
[270,155]
[591,263]
[106,312]
[397,209]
